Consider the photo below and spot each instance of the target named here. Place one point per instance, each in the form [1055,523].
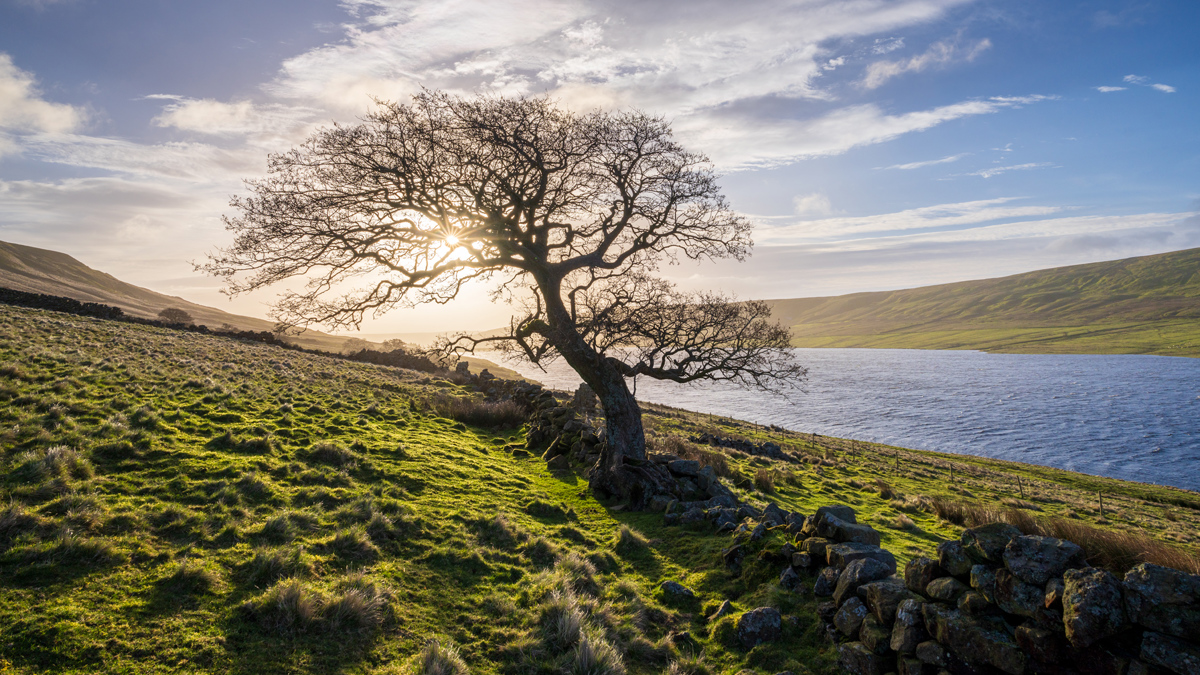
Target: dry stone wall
[994,601]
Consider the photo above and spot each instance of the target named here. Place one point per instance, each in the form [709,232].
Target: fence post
[1101,494]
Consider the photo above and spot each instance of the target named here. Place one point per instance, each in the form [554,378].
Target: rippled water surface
[1132,417]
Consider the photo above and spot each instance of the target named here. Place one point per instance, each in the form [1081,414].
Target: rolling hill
[37,270]
[1143,305]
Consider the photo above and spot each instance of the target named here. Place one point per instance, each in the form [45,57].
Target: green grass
[1145,305]
[172,502]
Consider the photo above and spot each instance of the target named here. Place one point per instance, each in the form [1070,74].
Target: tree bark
[622,470]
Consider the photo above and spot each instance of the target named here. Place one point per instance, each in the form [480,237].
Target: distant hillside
[1144,305]
[37,270]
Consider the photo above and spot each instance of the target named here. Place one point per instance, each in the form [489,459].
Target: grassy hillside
[174,502]
[1146,305]
[36,270]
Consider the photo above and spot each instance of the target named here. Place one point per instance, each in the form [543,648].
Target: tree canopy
[568,215]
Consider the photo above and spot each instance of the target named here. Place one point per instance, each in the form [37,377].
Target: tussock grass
[685,449]
[269,565]
[764,481]
[333,454]
[60,462]
[191,578]
[437,657]
[477,412]
[629,542]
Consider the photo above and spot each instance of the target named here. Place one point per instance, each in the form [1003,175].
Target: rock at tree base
[987,543]
[919,572]
[1092,606]
[684,467]
[1171,653]
[1164,600]
[855,658]
[725,608]
[758,626]
[789,580]
[677,591]
[850,617]
[857,573]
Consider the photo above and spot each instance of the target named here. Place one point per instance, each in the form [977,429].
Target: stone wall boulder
[839,510]
[817,547]
[983,580]
[1093,607]
[919,572]
[946,589]
[757,626]
[1043,646]
[841,555]
[1164,600]
[1036,560]
[1171,653]
[987,543]
[855,658]
[857,573]
[883,597]
[850,616]
[954,559]
[982,641]
[909,629]
[1017,597]
[826,582]
[875,636]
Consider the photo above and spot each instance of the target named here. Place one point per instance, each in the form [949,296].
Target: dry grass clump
[685,449]
[59,461]
[353,544]
[764,481]
[288,607]
[886,490]
[903,522]
[15,520]
[595,655]
[358,605]
[630,542]
[333,455]
[437,657]
[1014,503]
[580,573]
[476,412]
[500,532]
[269,565]
[191,578]
[1117,552]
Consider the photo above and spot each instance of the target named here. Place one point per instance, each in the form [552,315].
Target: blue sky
[876,144]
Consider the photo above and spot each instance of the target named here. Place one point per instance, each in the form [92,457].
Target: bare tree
[569,213]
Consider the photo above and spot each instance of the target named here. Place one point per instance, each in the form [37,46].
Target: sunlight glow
[451,240]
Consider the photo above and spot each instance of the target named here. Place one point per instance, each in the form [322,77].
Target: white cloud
[735,143]
[941,216]
[1136,79]
[207,116]
[176,160]
[887,45]
[929,162]
[938,54]
[813,204]
[1110,89]
[1165,88]
[997,170]
[22,108]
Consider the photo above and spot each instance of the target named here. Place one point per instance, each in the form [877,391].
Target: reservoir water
[1122,416]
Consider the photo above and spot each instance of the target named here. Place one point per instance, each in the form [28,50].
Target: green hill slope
[1148,305]
[177,502]
[37,270]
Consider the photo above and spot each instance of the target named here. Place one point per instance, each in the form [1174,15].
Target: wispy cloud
[939,54]
[207,116]
[815,204]
[1110,89]
[737,145]
[1165,88]
[938,217]
[929,162]
[997,170]
[1145,82]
